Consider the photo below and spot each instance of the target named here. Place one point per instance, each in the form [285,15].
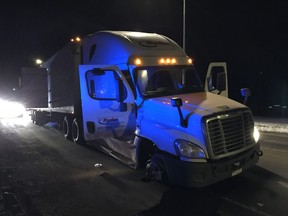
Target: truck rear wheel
[66,125]
[77,132]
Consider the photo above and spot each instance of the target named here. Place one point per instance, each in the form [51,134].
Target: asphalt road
[42,174]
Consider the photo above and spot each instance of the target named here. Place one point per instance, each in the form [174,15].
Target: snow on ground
[267,124]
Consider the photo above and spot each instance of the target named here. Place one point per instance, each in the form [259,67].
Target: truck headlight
[188,149]
[10,109]
[256,134]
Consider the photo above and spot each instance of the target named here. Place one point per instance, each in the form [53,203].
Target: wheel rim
[75,131]
[155,169]
[65,127]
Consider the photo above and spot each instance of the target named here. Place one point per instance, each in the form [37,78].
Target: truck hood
[159,122]
[203,103]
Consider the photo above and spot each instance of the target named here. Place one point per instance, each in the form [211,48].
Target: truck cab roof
[108,47]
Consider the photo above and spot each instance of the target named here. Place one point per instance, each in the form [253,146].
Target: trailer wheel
[156,169]
[66,125]
[77,132]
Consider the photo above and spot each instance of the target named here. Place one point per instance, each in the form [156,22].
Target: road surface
[42,174]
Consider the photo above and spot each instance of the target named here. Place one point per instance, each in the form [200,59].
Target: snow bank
[279,125]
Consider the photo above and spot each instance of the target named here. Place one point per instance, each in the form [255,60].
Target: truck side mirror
[245,92]
[221,82]
[217,81]
[177,102]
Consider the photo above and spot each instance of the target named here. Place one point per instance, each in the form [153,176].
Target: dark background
[251,36]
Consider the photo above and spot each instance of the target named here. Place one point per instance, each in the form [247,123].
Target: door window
[102,84]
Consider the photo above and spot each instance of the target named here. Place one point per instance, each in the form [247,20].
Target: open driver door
[216,78]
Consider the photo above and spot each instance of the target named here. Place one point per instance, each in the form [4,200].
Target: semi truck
[138,97]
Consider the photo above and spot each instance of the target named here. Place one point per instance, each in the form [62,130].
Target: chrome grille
[230,133]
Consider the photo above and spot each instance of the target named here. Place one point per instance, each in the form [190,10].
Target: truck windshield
[161,81]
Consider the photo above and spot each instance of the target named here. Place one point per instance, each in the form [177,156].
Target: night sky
[251,36]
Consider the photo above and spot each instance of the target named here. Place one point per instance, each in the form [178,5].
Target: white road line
[284,184]
[273,149]
[246,207]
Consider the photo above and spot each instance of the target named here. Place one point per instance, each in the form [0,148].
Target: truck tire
[67,127]
[77,132]
[144,150]
[156,169]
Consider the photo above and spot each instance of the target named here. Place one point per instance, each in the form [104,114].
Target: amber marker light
[76,39]
[167,61]
[138,61]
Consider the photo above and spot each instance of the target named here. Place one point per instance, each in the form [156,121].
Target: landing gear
[39,117]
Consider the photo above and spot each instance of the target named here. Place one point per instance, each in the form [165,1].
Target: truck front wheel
[156,169]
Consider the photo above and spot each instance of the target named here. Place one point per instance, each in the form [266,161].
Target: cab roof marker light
[162,61]
[138,61]
[167,61]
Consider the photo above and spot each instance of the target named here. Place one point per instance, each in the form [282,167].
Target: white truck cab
[143,103]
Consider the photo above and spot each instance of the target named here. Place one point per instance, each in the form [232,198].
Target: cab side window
[102,84]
